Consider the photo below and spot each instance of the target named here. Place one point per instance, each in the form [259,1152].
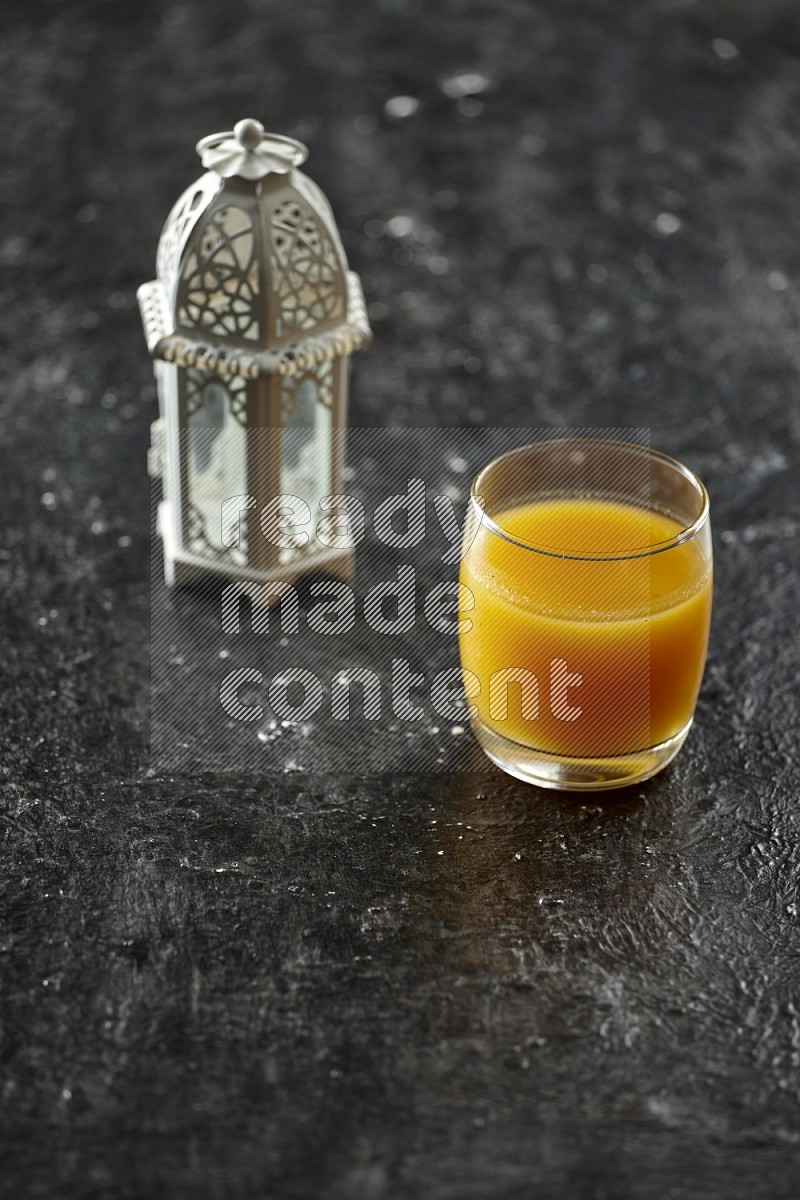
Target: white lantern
[251,321]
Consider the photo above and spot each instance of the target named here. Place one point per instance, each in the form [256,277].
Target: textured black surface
[224,988]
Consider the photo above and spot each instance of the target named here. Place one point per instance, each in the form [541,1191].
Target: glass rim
[684,535]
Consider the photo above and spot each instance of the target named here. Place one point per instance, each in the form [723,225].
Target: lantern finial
[249,133]
[250,153]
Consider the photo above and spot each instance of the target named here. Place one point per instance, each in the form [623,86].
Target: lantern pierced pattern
[251,321]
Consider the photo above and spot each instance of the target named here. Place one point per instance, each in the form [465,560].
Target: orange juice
[595,639]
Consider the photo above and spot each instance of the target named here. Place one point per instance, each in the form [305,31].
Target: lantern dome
[251,273]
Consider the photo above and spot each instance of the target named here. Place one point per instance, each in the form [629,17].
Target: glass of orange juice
[585,607]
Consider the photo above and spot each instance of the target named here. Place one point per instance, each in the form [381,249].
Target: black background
[450,987]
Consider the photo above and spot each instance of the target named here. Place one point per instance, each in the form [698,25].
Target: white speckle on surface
[724,49]
[124,541]
[667,223]
[365,124]
[270,731]
[446,198]
[438,264]
[49,501]
[533,144]
[13,250]
[401,107]
[457,464]
[98,526]
[457,730]
[777,281]
[464,83]
[400,226]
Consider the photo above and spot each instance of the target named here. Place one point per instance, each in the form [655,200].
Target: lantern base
[181,568]
[181,571]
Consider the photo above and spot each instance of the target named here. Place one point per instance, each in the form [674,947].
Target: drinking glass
[585,608]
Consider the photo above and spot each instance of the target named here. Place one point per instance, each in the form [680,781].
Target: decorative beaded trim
[354,334]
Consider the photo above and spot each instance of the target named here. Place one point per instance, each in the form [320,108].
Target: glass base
[576,774]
